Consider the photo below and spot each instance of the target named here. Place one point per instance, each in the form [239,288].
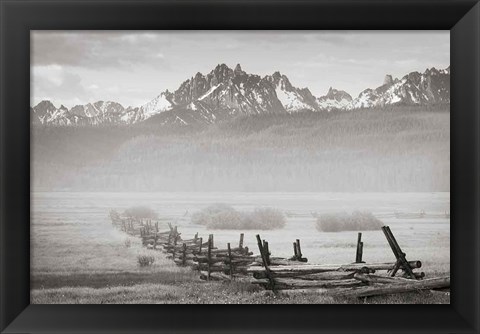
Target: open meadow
[77,256]
[396,159]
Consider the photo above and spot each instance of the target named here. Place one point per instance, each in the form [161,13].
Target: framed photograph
[310,154]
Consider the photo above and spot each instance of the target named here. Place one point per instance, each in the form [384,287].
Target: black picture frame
[18,17]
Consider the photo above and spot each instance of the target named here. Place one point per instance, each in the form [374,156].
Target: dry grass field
[79,257]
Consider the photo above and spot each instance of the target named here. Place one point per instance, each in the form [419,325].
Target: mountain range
[225,93]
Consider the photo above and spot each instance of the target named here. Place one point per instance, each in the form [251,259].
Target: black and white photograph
[240,167]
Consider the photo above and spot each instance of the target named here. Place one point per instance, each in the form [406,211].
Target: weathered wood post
[200,247]
[265,263]
[175,239]
[155,241]
[209,255]
[295,251]
[267,251]
[169,238]
[240,243]
[184,255]
[399,254]
[299,249]
[230,260]
[359,255]
[195,238]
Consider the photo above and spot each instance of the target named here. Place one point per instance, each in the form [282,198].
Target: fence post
[397,251]
[240,243]
[265,263]
[230,260]
[267,251]
[299,250]
[295,252]
[359,255]
[184,259]
[200,248]
[209,255]
[174,246]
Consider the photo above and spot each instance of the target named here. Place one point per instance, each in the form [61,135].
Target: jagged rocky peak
[415,88]
[278,79]
[338,95]
[388,80]
[221,73]
[44,105]
[108,107]
[334,100]
[238,70]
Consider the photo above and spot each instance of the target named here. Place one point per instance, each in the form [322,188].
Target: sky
[133,67]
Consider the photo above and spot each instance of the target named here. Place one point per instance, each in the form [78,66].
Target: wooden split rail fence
[238,263]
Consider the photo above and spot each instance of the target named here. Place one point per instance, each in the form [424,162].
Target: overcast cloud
[133,67]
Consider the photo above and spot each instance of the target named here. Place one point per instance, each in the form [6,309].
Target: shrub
[225,217]
[268,218]
[145,260]
[140,212]
[212,214]
[357,221]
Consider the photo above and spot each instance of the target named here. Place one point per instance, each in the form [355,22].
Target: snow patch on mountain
[334,100]
[156,106]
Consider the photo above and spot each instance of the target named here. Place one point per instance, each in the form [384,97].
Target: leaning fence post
[265,262]
[397,251]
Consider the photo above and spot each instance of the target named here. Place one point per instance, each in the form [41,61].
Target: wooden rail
[278,274]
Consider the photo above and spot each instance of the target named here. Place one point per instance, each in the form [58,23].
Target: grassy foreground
[93,264]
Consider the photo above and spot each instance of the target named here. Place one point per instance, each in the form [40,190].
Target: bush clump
[145,260]
[140,212]
[225,217]
[357,221]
